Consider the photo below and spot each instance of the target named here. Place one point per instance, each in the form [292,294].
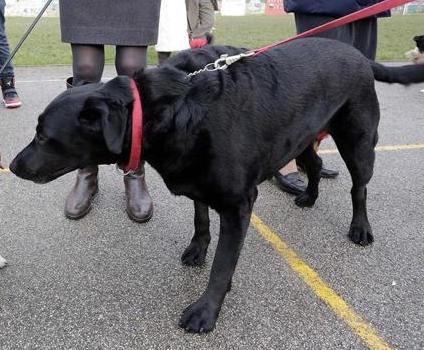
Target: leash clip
[221,63]
[225,61]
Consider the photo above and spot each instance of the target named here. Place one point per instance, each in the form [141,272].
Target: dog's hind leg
[356,146]
[312,164]
[195,253]
[201,316]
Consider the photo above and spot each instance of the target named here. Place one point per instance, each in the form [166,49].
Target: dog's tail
[405,75]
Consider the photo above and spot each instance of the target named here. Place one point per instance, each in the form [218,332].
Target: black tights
[89,61]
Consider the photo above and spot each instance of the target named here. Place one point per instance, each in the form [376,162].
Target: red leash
[225,61]
[355,16]
[136,132]
[222,63]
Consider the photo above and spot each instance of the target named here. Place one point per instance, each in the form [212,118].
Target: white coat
[173,34]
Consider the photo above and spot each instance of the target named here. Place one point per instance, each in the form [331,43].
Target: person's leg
[4,46]
[365,37]
[7,77]
[288,177]
[87,63]
[130,59]
[163,56]
[306,22]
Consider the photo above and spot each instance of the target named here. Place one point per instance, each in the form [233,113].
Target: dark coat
[126,23]
[332,8]
[200,17]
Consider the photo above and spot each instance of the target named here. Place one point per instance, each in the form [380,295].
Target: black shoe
[10,96]
[290,183]
[329,174]
[325,173]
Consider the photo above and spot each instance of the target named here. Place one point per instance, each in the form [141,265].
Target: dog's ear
[107,111]
[165,84]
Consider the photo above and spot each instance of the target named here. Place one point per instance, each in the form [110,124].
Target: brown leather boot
[79,201]
[139,202]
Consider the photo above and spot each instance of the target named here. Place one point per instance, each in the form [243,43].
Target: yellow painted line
[320,288]
[389,148]
[5,170]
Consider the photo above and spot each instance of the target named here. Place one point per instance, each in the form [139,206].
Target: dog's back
[281,98]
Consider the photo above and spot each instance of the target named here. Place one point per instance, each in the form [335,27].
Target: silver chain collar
[221,63]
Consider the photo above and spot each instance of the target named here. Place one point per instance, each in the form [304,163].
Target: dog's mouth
[43,179]
[58,173]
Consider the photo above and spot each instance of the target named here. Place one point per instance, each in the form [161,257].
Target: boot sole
[138,220]
[80,216]
[12,105]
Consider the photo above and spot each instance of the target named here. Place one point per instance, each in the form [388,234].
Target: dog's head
[419,39]
[83,126]
[90,124]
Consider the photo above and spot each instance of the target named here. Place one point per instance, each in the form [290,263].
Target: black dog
[419,40]
[215,136]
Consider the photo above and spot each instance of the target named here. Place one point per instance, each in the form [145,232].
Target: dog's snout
[13,166]
[20,168]
[16,168]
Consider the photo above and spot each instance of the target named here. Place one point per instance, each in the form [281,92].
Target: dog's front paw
[361,235]
[305,200]
[194,254]
[199,317]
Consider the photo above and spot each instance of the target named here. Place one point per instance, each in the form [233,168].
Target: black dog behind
[215,136]
[419,40]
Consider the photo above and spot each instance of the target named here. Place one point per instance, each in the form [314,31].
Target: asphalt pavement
[105,282]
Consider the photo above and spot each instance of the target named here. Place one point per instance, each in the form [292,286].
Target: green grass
[44,47]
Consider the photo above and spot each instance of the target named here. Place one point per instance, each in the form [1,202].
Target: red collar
[136,133]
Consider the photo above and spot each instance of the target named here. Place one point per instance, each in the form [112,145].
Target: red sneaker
[10,96]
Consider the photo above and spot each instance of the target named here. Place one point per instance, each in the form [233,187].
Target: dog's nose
[17,168]
[13,167]
[20,167]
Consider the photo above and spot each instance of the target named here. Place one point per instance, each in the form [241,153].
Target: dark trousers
[360,34]
[4,47]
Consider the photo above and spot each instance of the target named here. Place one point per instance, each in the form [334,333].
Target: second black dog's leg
[195,253]
[356,146]
[360,162]
[312,164]
[201,315]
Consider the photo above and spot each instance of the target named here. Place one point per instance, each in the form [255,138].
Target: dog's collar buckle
[122,172]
